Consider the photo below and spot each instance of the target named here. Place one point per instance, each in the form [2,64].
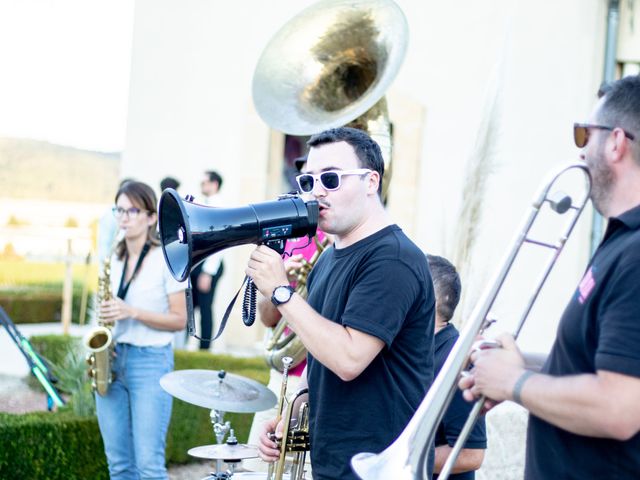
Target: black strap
[223,322]
[124,286]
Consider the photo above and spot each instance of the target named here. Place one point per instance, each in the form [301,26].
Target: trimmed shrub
[52,446]
[35,442]
[39,303]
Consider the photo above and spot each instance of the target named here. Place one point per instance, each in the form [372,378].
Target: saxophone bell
[99,344]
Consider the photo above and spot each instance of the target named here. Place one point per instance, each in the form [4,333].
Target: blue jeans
[134,415]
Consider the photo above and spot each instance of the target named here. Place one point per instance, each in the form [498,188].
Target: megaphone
[190,232]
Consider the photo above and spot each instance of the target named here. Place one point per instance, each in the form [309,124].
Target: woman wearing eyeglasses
[134,415]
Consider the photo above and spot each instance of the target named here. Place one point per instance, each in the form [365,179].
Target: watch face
[282,294]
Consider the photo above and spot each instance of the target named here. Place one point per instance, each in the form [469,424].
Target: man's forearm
[268,313]
[594,405]
[343,351]
[469,459]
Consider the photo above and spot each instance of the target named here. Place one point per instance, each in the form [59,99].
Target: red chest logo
[586,286]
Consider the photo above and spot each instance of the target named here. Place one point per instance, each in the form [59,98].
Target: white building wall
[539,64]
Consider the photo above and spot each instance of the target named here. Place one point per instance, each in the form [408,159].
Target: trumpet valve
[298,441]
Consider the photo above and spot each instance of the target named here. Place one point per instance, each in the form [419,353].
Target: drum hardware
[407,457]
[228,452]
[218,390]
[245,476]
[232,453]
[221,392]
[220,427]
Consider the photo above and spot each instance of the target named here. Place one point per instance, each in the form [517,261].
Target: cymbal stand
[220,430]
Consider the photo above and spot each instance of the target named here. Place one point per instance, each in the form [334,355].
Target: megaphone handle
[277,245]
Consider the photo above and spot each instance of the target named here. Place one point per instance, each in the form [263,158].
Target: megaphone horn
[190,232]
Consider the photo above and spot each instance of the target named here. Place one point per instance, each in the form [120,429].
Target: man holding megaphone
[368,321]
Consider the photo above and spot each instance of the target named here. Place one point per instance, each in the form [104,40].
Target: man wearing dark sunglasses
[368,322]
[584,410]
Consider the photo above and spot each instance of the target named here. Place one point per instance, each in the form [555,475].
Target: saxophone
[99,341]
[277,344]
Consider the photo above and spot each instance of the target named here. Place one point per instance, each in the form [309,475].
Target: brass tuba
[99,340]
[330,66]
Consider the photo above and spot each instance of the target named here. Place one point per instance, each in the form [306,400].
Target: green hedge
[39,304]
[51,446]
[32,445]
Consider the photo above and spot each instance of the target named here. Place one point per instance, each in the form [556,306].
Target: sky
[64,71]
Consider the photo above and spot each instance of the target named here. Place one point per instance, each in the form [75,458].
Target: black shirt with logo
[599,330]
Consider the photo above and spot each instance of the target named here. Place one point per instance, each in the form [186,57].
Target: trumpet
[295,436]
[407,457]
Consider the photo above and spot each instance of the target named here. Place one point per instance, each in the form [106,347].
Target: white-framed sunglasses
[330,180]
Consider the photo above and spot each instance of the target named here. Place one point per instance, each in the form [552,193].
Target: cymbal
[224,451]
[218,390]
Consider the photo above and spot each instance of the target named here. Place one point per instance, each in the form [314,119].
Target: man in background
[169,182]
[447,287]
[205,276]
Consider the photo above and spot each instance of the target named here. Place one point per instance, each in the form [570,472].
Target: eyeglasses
[132,212]
[581,133]
[330,180]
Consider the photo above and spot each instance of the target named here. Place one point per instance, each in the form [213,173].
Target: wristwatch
[282,294]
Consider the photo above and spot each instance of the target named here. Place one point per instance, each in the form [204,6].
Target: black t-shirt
[599,330]
[458,411]
[380,286]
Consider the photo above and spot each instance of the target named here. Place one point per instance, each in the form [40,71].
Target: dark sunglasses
[330,180]
[581,133]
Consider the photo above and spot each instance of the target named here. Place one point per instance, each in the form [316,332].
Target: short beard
[602,182]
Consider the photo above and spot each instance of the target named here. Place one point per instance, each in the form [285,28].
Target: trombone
[407,457]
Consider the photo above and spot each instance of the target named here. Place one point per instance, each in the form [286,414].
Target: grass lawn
[18,273]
